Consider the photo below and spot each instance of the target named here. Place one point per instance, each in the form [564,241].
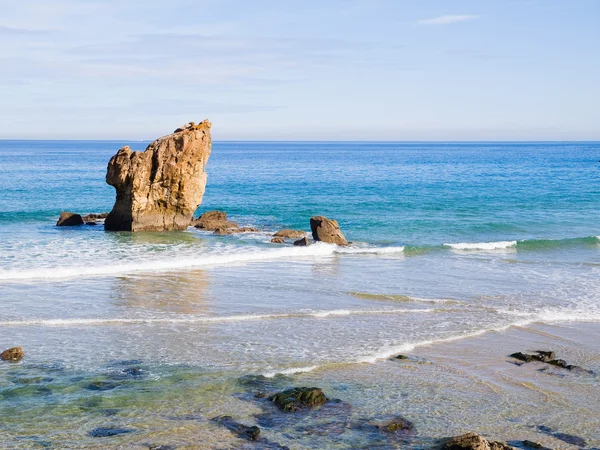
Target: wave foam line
[317,249]
[238,318]
[388,352]
[482,245]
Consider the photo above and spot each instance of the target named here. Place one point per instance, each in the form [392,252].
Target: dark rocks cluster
[547,357]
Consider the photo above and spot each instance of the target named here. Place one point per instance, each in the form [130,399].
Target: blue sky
[306,70]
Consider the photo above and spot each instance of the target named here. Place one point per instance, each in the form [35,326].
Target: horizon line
[322,140]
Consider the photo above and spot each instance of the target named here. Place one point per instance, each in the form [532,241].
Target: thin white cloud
[448,19]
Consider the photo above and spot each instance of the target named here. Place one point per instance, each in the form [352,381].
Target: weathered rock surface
[290,234]
[326,230]
[159,189]
[12,354]
[278,240]
[69,219]
[298,399]
[304,242]
[472,441]
[395,424]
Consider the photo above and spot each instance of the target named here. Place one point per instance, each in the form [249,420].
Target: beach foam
[482,245]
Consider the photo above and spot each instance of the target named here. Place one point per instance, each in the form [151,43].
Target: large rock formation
[326,230]
[159,189]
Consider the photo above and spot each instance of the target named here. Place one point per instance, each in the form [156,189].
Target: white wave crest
[369,250]
[482,245]
[203,319]
[290,371]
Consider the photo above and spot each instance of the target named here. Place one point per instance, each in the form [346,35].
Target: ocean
[458,250]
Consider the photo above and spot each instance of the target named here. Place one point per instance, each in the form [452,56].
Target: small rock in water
[401,357]
[548,357]
[298,399]
[12,354]
[101,386]
[304,242]
[69,219]
[568,438]
[109,431]
[472,441]
[290,234]
[397,424]
[536,445]
[278,240]
[242,431]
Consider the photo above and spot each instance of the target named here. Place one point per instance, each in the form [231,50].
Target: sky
[301,70]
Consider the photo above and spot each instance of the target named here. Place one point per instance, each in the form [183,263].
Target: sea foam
[482,245]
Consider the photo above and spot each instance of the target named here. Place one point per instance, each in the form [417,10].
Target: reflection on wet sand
[179,293]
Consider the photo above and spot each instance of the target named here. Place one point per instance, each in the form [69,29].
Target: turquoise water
[450,240]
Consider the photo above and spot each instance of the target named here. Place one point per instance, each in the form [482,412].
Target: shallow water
[152,331]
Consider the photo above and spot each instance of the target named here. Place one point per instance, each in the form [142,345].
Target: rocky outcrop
[290,234]
[12,354]
[69,219]
[298,399]
[213,221]
[304,242]
[277,240]
[472,441]
[326,230]
[160,188]
[94,219]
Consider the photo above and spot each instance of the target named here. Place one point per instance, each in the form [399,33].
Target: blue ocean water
[450,241]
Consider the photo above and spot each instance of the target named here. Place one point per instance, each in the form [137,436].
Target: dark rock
[401,357]
[109,431]
[278,240]
[545,356]
[12,354]
[69,219]
[101,386]
[242,431]
[472,441]
[397,424]
[304,242]
[522,357]
[326,230]
[298,399]
[535,445]
[290,234]
[93,219]
[568,438]
[548,358]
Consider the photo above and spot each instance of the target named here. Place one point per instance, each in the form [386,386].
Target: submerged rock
[565,437]
[394,425]
[69,219]
[548,357]
[159,189]
[242,431]
[400,357]
[326,230]
[298,399]
[290,234]
[109,431]
[472,441]
[304,242]
[12,354]
[278,240]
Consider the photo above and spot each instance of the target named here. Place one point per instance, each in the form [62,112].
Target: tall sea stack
[160,188]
